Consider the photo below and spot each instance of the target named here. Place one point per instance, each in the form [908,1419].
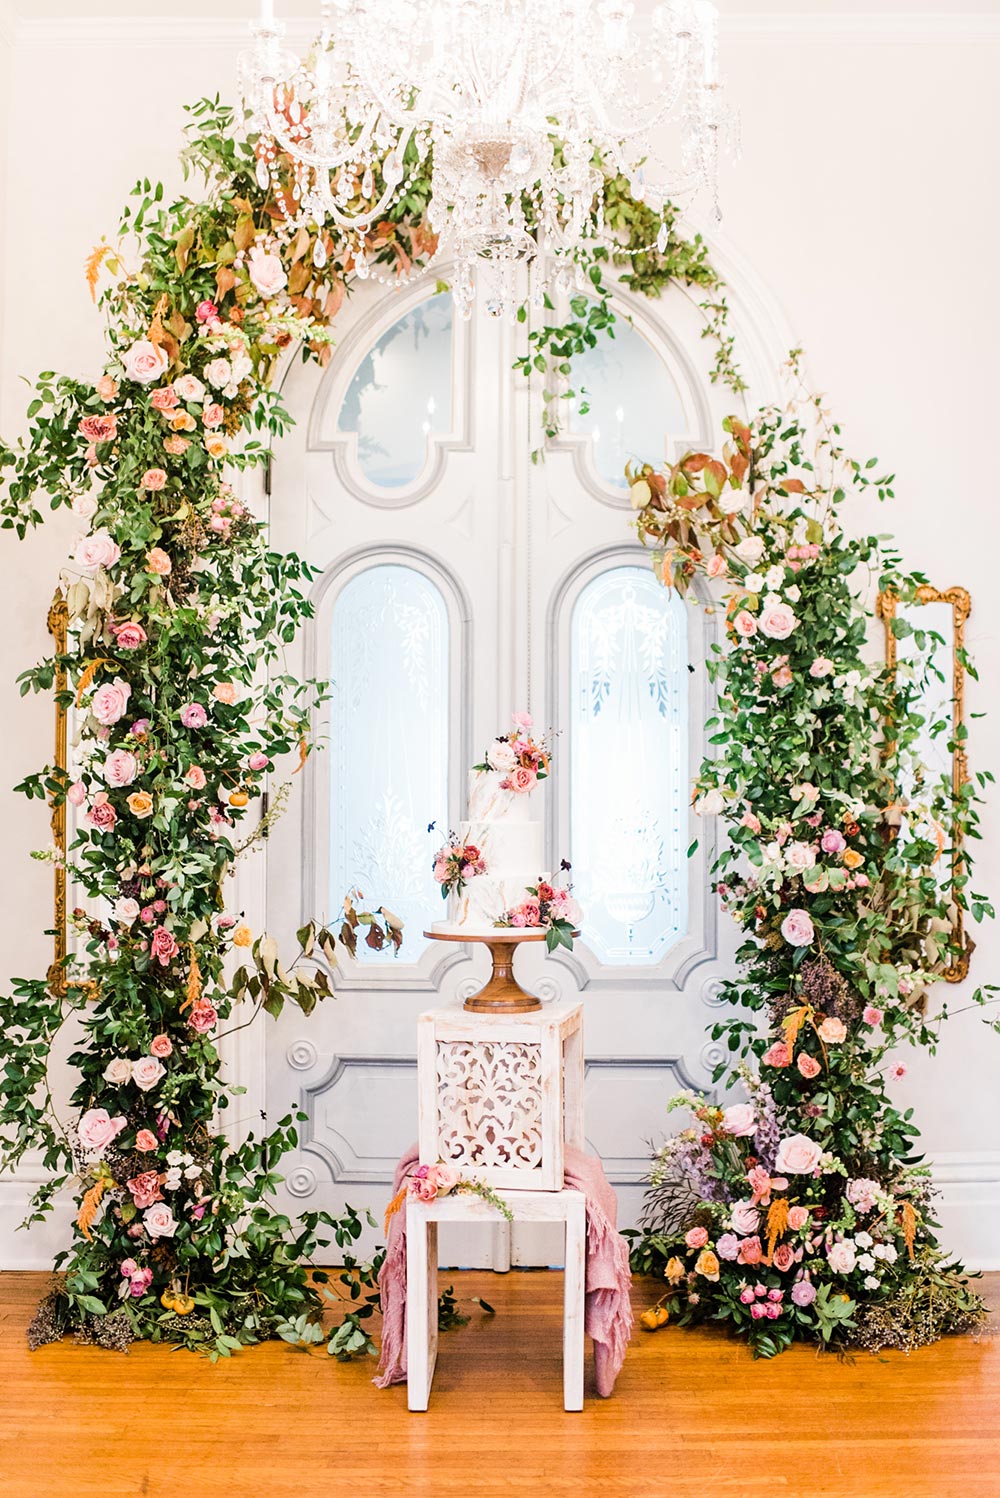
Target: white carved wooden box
[500,1096]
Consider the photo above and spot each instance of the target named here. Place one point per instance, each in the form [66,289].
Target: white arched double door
[463,578]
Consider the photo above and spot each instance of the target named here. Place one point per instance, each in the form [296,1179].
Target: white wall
[865,201]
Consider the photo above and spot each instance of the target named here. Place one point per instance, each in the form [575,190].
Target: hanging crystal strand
[319,256]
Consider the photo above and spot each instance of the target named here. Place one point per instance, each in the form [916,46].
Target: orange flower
[182,421]
[226,692]
[852,859]
[157,561]
[242,936]
[707,1265]
[216,447]
[140,804]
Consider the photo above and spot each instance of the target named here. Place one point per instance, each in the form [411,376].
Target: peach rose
[157,561]
[140,804]
[707,1265]
[146,1140]
[777,1055]
[745,624]
[696,1237]
[144,362]
[153,478]
[242,936]
[226,692]
[716,565]
[833,1030]
[100,428]
[216,447]
[130,635]
[182,421]
[214,414]
[522,780]
[175,446]
[852,859]
[808,1066]
[195,778]
[797,1218]
[160,1045]
[107,388]
[798,1155]
[751,1251]
[783,1257]
[445,1178]
[164,399]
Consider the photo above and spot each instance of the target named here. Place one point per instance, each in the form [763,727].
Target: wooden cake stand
[502,994]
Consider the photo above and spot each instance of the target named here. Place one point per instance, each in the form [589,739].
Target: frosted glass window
[388,761]
[629,770]
[400,394]
[626,402]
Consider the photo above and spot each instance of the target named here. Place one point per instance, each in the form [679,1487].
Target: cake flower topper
[522,760]
[456,863]
[550,906]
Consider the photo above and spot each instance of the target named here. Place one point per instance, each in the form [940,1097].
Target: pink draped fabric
[608,1311]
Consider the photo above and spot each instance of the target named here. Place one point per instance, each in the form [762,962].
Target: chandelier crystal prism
[516,111]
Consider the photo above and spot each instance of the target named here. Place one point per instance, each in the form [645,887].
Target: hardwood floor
[693,1417]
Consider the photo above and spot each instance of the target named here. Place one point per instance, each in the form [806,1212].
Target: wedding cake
[490,871]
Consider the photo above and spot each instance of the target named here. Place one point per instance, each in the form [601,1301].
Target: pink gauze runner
[608,1313]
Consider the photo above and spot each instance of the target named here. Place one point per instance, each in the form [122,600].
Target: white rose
[774,577]
[118,1070]
[871,1282]
[500,755]
[750,550]
[710,804]
[172,1179]
[175,1158]
[794,593]
[219,373]
[84,505]
[865,1262]
[192,1173]
[242,365]
[189,388]
[800,855]
[125,912]
[159,1221]
[144,362]
[266,272]
[863,1239]
[731,501]
[146,1072]
[96,550]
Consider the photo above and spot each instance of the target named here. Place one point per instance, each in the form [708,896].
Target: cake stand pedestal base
[502,994]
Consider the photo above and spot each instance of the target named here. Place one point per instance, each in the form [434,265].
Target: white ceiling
[229,10]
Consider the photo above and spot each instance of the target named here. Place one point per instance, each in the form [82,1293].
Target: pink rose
[716,565]
[783,1257]
[107,388]
[861,881]
[195,778]
[740,1120]
[96,550]
[423,1188]
[145,1188]
[745,1218]
[146,1072]
[782,677]
[523,721]
[777,621]
[206,311]
[139,728]
[128,1268]
[757,1311]
[160,1045]
[157,561]
[728,1247]
[120,768]
[833,841]
[258,761]
[77,793]
[110,701]
[696,1237]
[189,388]
[777,1055]
[140,1283]
[797,928]
[872,1016]
[164,399]
[833,1030]
[101,428]
[808,1066]
[266,272]
[214,414]
[745,624]
[96,1128]
[522,781]
[193,715]
[144,362]
[798,1155]
[751,1251]
[129,636]
[841,1257]
[821,667]
[203,1017]
[159,1221]
[153,478]
[800,855]
[84,505]
[797,1218]
[145,1140]
[163,947]
[102,814]
[748,819]
[445,1178]
[760,1184]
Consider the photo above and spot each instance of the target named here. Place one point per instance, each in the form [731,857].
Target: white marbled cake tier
[510,839]
[488,803]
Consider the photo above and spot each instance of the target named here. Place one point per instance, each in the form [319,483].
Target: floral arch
[176,614]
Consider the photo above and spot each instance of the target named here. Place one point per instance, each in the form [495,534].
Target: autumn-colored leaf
[87,1215]
[303,754]
[694,462]
[93,267]
[225,280]
[793,486]
[89,673]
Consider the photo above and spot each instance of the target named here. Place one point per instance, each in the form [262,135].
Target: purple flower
[193,715]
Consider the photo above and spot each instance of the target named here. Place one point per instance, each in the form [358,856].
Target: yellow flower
[852,859]
[140,804]
[242,936]
[707,1265]
[675,1269]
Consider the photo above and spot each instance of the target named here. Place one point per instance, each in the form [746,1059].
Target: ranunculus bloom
[140,804]
[159,1221]
[109,702]
[225,692]
[102,428]
[833,1030]
[522,780]
[102,814]
[783,1257]
[146,1072]
[872,1016]
[803,1293]
[164,399]
[189,387]
[153,478]
[797,928]
[146,1140]
[193,715]
[841,1257]
[751,1251]
[144,362]
[257,761]
[145,1188]
[203,1017]
[96,1128]
[130,635]
[745,1218]
[696,1237]
[745,624]
[120,768]
[798,1155]
[777,621]
[832,841]
[728,1247]
[157,561]
[740,1120]
[118,1071]
[195,778]
[797,1217]
[96,550]
[163,946]
[707,1265]
[266,272]
[160,1045]
[777,1055]
[808,1066]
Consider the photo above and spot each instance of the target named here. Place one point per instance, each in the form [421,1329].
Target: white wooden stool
[422,1218]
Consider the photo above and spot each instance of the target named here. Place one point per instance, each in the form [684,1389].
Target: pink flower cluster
[139,1280]
[430,1181]
[763,1302]
[225,506]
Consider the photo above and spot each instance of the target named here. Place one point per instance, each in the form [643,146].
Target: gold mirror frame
[961,604]
[58,624]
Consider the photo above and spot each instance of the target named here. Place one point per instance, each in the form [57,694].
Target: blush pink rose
[797,928]
[833,1030]
[797,1218]
[833,841]
[777,621]
[258,761]
[101,428]
[808,1066]
[203,1017]
[745,624]
[783,1257]
[162,946]
[266,272]
[821,667]
[144,362]
[145,1188]
[777,1055]
[110,701]
[159,1221]
[523,721]
[696,1237]
[751,1251]
[798,1155]
[189,388]
[96,550]
[206,311]
[214,415]
[146,1140]
[77,793]
[153,478]
[120,768]
[130,635]
[157,561]
[745,1218]
[445,1179]
[423,1188]
[160,1045]
[107,388]
[164,399]
[716,565]
[193,715]
[841,1257]
[522,780]
[102,814]
[146,1072]
[195,778]
[96,1128]
[740,1120]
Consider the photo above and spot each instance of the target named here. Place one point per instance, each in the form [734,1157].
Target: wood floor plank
[693,1417]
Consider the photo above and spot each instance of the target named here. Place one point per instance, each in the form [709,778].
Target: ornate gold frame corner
[961,606]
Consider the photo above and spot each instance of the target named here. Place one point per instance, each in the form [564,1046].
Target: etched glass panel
[629,765]
[400,394]
[626,402]
[389,717]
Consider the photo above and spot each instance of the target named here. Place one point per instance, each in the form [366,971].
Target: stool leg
[421,1306]
[573,1305]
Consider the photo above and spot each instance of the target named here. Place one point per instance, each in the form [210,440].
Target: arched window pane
[629,765]
[389,744]
[400,393]
[626,400]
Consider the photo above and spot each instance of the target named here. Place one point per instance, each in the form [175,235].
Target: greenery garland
[804,1212]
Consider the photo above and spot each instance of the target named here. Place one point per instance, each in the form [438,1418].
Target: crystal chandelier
[517,111]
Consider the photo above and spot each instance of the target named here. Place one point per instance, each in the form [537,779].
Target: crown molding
[206,31]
